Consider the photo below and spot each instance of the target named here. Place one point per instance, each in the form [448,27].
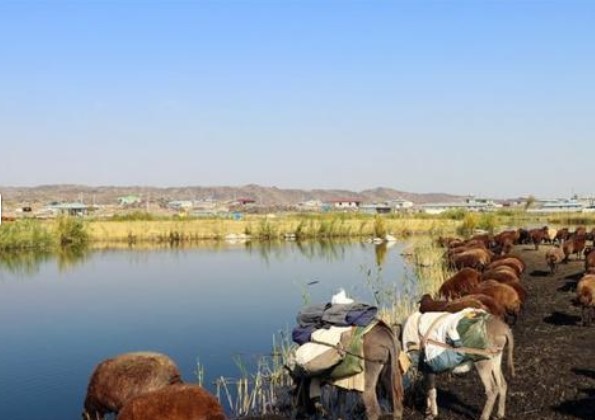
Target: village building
[346,204]
[310,205]
[557,206]
[470,204]
[67,209]
[129,200]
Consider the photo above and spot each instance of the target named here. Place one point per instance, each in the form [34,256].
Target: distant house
[245,201]
[377,208]
[129,200]
[557,206]
[471,204]
[310,205]
[346,204]
[180,205]
[209,207]
[69,209]
[400,204]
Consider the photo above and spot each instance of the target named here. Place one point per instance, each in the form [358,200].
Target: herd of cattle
[147,385]
[488,276]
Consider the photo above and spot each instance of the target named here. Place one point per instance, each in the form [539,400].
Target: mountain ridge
[261,194]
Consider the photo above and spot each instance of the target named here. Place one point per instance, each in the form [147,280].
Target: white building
[470,204]
[557,206]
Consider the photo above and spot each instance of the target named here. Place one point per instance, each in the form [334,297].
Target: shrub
[379,227]
[24,234]
[71,231]
[469,224]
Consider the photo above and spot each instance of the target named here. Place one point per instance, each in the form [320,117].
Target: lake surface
[60,316]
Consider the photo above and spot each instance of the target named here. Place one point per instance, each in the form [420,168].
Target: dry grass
[260,227]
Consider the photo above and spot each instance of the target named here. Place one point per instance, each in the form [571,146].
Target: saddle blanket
[464,328]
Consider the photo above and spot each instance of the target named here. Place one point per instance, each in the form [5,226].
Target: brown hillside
[263,195]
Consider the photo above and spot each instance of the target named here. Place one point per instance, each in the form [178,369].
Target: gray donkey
[488,365]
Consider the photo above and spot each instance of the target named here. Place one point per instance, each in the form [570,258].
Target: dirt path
[554,355]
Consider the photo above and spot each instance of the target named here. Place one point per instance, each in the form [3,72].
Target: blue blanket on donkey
[318,316]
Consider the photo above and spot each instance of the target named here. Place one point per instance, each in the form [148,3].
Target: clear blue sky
[466,97]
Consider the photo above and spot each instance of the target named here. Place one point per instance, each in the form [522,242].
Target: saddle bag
[323,352]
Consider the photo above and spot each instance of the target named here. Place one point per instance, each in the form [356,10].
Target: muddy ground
[554,355]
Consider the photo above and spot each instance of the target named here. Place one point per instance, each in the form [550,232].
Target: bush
[24,234]
[134,216]
[469,224]
[71,231]
[379,227]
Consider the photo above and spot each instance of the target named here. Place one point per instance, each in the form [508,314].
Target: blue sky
[465,97]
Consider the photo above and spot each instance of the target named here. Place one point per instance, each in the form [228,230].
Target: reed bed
[26,235]
[264,228]
[265,392]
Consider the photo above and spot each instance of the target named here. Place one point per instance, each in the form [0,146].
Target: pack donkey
[381,367]
[489,365]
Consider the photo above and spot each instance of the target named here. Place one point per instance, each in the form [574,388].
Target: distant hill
[269,196]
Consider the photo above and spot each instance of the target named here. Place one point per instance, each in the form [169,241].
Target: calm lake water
[60,316]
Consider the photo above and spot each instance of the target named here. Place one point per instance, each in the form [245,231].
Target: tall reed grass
[26,234]
[322,226]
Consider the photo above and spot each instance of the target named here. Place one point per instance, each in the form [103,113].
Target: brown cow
[505,236]
[427,304]
[176,402]
[538,235]
[502,275]
[502,293]
[116,380]
[460,283]
[509,261]
[473,258]
[524,237]
[553,257]
[580,230]
[485,238]
[574,245]
[585,297]
[589,259]
[487,303]
[562,235]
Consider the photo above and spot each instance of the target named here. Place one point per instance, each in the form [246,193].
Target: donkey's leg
[431,395]
[485,370]
[501,384]
[372,376]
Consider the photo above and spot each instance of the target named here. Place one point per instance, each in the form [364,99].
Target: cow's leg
[485,370]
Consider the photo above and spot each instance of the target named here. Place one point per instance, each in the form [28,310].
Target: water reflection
[23,263]
[29,262]
[381,250]
[70,256]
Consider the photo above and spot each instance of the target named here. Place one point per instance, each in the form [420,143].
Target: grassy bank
[146,229]
[264,228]
[38,235]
